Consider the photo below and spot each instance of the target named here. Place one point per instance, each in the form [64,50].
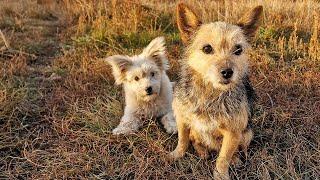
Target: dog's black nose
[149,90]
[227,73]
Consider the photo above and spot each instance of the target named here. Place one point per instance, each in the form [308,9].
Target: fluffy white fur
[137,74]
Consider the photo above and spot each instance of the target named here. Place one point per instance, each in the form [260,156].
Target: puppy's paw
[174,155]
[122,130]
[169,123]
[221,176]
[222,169]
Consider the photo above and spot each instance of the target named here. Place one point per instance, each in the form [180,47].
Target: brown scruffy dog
[213,100]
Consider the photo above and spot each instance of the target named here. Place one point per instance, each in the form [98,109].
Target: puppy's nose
[227,73]
[149,90]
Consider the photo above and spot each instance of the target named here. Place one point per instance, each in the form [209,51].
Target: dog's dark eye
[207,49]
[238,50]
[152,74]
[136,78]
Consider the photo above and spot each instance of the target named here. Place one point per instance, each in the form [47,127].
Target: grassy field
[59,104]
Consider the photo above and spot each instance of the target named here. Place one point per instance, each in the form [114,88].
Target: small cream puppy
[148,90]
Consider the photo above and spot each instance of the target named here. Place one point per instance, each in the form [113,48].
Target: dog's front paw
[221,176]
[122,130]
[222,169]
[169,123]
[174,155]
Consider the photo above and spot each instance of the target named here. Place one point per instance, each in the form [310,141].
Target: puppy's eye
[207,49]
[136,78]
[152,74]
[238,50]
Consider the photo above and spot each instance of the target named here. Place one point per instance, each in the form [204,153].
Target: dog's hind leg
[169,123]
[247,136]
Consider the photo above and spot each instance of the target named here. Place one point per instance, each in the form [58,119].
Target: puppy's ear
[249,23]
[156,51]
[120,65]
[187,22]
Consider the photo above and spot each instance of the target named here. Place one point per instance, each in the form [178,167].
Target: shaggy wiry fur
[212,109]
[148,91]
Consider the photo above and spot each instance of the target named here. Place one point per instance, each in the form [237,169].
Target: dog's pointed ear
[249,23]
[156,51]
[187,22]
[120,65]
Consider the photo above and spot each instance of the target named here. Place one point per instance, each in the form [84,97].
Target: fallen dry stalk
[4,40]
[7,51]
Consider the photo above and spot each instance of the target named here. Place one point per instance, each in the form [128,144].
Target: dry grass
[58,107]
